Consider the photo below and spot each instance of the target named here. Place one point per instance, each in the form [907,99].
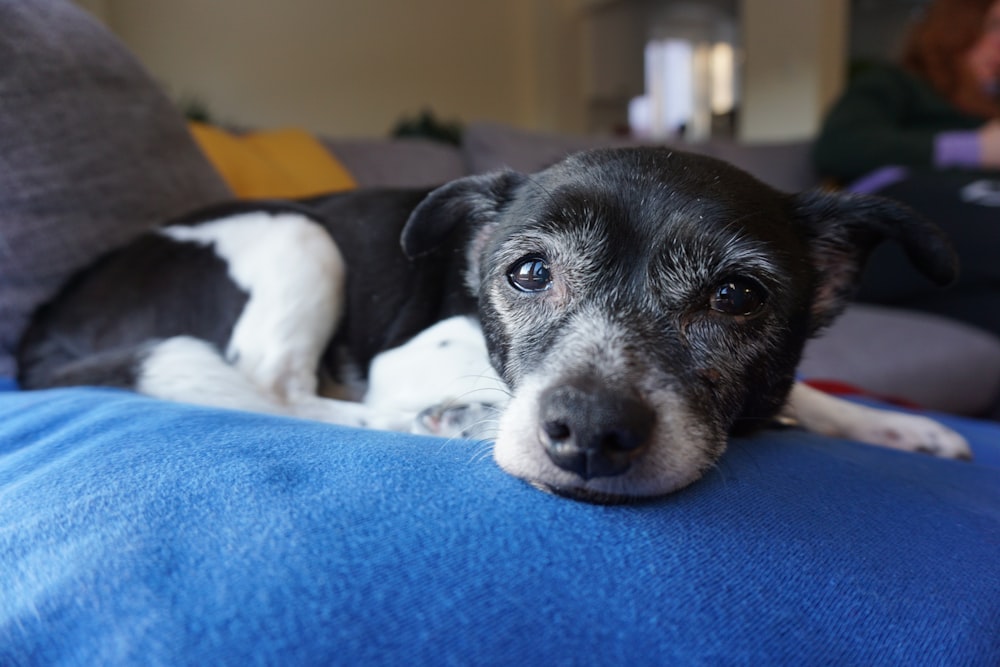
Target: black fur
[153,288]
[390,298]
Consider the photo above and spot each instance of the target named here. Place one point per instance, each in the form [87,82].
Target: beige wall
[354,67]
[796,54]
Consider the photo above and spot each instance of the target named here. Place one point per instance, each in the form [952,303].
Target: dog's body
[637,305]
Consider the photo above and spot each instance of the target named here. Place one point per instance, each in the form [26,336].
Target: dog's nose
[591,431]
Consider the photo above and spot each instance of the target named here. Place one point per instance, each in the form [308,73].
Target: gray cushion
[933,361]
[493,146]
[92,154]
[397,163]
[783,165]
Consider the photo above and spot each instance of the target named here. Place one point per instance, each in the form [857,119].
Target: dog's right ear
[473,201]
[843,229]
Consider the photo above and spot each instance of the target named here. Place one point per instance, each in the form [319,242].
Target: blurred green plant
[195,109]
[426,126]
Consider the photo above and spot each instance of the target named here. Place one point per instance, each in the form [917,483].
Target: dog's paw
[464,420]
[820,412]
[911,433]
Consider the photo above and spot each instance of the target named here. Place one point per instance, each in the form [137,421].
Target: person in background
[940,107]
[926,131]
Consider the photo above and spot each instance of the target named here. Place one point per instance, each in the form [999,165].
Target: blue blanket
[134,531]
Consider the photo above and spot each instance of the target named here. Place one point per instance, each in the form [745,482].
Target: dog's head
[644,303]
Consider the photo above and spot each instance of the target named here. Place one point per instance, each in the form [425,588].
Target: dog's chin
[585,495]
[618,490]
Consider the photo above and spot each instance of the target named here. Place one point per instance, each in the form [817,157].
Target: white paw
[477,421]
[822,413]
[911,433]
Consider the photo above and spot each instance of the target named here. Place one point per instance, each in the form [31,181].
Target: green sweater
[887,116]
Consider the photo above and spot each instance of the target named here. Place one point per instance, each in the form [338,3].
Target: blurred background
[753,70]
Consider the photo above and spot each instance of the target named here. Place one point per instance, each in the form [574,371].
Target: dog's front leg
[440,382]
[822,413]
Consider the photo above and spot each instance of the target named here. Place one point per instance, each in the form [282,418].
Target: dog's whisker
[494,384]
[492,381]
[483,451]
[485,428]
[460,399]
[477,453]
[500,389]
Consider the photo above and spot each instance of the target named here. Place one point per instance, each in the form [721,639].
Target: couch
[137,531]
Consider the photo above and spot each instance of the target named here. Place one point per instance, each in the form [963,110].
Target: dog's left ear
[473,200]
[843,229]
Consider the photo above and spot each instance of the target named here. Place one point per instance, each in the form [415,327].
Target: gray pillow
[786,165]
[91,154]
[397,163]
[932,361]
[492,146]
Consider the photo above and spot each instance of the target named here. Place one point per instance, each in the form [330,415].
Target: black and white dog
[637,306]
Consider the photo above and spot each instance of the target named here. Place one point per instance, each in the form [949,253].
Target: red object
[839,388]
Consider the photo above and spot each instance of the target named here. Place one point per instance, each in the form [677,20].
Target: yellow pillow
[280,164]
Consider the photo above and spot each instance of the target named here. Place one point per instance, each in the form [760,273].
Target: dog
[636,307]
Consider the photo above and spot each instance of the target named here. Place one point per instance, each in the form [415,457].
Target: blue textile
[140,532]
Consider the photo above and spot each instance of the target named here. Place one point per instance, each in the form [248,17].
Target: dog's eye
[530,274]
[737,297]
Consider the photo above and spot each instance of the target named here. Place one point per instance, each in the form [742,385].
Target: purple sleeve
[958,148]
[879,179]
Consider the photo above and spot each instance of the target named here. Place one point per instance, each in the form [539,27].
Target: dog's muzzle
[593,431]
